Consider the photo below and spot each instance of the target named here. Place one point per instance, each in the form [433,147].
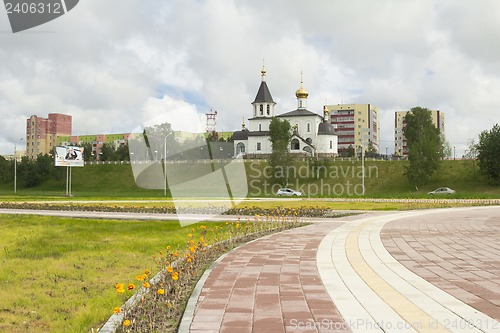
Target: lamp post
[386,155]
[165,165]
[15,167]
[453,152]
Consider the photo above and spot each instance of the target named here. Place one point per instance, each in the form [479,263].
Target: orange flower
[120,288]
[203,227]
[191,241]
[146,285]
[116,310]
[146,272]
[140,277]
[176,254]
[126,322]
[192,249]
[202,239]
[168,248]
[170,269]
[160,291]
[189,259]
[131,286]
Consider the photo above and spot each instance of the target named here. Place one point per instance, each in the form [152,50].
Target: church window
[331,144]
[268,110]
[259,146]
[261,110]
[260,127]
[308,127]
[295,145]
[309,140]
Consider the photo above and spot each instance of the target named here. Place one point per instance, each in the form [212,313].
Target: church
[313,135]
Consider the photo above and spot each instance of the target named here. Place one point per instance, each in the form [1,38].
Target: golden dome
[301,92]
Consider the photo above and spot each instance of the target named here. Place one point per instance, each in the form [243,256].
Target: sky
[116,64]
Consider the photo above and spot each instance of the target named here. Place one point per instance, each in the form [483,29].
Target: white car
[442,190]
[288,192]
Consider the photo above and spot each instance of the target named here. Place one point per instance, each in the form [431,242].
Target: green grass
[383,179]
[58,274]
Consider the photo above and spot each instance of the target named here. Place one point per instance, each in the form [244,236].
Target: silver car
[442,190]
[288,192]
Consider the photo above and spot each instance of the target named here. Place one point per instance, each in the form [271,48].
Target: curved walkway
[420,271]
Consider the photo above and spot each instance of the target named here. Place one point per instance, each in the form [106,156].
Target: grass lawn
[58,274]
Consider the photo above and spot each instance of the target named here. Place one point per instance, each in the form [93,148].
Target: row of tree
[30,172]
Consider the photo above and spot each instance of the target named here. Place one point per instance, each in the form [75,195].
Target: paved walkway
[421,271]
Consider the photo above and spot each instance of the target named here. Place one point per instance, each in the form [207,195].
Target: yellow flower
[190,235]
[175,276]
[160,291]
[176,254]
[191,241]
[168,248]
[120,288]
[146,272]
[192,249]
[131,286]
[202,239]
[116,310]
[203,227]
[189,259]
[126,322]
[146,285]
[140,277]
[170,269]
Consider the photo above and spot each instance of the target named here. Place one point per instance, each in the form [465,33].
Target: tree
[122,153]
[280,134]
[488,150]
[6,171]
[425,146]
[107,152]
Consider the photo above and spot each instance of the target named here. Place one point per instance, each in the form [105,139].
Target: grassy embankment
[335,179]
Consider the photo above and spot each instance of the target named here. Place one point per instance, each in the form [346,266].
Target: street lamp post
[165,165]
[15,167]
[386,155]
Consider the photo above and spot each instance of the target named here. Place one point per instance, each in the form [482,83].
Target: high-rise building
[352,123]
[400,147]
[41,133]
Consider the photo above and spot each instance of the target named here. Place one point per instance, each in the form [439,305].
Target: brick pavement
[458,252]
[429,271]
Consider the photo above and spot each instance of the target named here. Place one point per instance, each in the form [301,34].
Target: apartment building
[400,146]
[353,123]
[42,133]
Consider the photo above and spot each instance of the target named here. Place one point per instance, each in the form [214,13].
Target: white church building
[313,135]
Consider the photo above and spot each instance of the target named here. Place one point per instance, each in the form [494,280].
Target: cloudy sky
[115,64]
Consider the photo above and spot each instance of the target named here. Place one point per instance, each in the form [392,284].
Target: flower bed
[303,211]
[159,303]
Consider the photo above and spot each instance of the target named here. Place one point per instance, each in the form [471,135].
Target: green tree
[107,152]
[488,150]
[28,170]
[280,134]
[6,170]
[425,146]
[87,151]
[122,153]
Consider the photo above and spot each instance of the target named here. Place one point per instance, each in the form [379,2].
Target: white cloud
[112,63]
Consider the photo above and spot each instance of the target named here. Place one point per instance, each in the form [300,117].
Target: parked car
[442,190]
[288,192]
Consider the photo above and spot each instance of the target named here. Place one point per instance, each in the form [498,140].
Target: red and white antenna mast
[211,120]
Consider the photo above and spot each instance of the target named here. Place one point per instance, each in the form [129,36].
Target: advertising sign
[69,156]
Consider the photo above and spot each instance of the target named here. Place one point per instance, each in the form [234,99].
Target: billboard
[69,156]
